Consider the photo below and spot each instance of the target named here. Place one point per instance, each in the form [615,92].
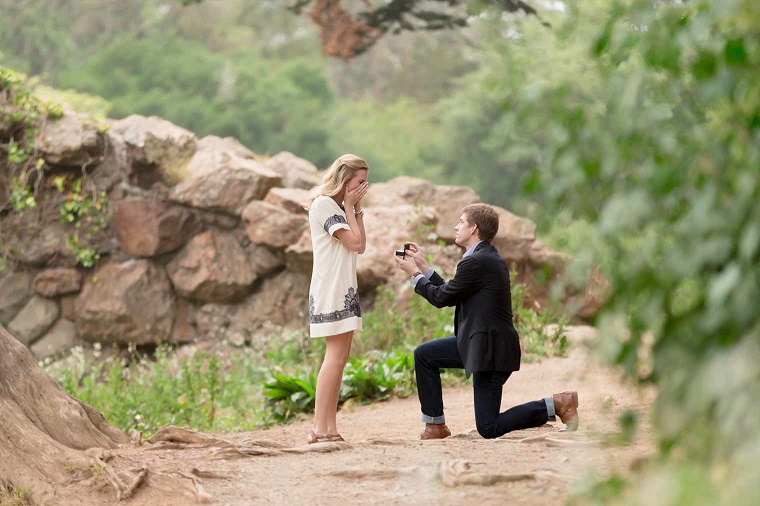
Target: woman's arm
[352,239]
[360,221]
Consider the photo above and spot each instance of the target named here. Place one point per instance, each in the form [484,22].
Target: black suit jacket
[480,290]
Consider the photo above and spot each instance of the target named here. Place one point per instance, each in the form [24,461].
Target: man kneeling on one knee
[485,344]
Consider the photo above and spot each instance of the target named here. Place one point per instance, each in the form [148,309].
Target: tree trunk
[43,430]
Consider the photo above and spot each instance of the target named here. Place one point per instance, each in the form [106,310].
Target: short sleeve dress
[333,296]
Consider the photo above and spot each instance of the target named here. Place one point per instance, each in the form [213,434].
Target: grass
[203,390]
[10,495]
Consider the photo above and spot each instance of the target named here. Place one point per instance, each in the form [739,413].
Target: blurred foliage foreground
[662,157]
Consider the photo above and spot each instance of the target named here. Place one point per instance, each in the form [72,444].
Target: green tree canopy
[268,105]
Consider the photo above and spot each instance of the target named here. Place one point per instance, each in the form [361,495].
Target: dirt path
[384,464]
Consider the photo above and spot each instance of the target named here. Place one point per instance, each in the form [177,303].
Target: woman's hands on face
[353,198]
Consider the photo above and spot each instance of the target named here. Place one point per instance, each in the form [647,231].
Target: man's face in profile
[464,231]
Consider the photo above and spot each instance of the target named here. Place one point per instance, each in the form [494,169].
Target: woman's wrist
[358,213]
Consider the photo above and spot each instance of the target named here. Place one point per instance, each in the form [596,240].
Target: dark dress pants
[431,357]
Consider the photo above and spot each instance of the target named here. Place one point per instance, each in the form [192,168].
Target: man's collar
[471,250]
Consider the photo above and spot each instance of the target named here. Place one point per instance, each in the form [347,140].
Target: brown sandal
[336,438]
[316,438]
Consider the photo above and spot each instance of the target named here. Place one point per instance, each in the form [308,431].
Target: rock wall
[205,239]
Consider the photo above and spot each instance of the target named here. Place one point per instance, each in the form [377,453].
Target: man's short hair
[485,217]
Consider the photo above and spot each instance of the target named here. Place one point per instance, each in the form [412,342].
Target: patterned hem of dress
[350,309]
[335,328]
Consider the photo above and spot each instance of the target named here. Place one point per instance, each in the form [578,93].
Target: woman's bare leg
[332,425]
[328,383]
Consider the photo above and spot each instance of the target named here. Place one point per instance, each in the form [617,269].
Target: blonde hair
[336,177]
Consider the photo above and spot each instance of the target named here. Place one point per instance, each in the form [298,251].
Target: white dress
[333,296]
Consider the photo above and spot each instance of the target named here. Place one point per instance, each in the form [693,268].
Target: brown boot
[566,407]
[435,431]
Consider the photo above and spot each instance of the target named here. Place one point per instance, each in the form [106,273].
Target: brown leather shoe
[435,431]
[566,407]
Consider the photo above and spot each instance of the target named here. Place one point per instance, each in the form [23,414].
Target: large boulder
[37,235]
[292,199]
[515,237]
[150,227]
[387,230]
[72,140]
[228,189]
[295,172]
[130,302]
[262,259]
[57,282]
[299,256]
[448,201]
[183,330]
[153,149]
[34,319]
[212,267]
[280,301]
[214,153]
[211,321]
[60,338]
[39,238]
[15,292]
[271,225]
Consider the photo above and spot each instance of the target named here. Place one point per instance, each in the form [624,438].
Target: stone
[147,228]
[448,201]
[37,236]
[59,339]
[34,319]
[270,225]
[280,301]
[212,267]
[263,260]
[72,140]
[212,321]
[215,153]
[515,237]
[56,282]
[68,306]
[295,172]
[15,292]
[228,189]
[154,149]
[390,228]
[183,331]
[299,256]
[292,199]
[129,302]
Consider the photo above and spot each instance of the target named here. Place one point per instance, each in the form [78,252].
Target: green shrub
[378,376]
[542,331]
[202,390]
[290,395]
[393,325]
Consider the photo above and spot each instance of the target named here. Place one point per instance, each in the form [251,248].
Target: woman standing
[337,236]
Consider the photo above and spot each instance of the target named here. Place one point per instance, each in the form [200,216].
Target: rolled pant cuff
[550,408]
[437,420]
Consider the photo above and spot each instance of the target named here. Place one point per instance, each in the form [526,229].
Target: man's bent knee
[487,430]
[419,354]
